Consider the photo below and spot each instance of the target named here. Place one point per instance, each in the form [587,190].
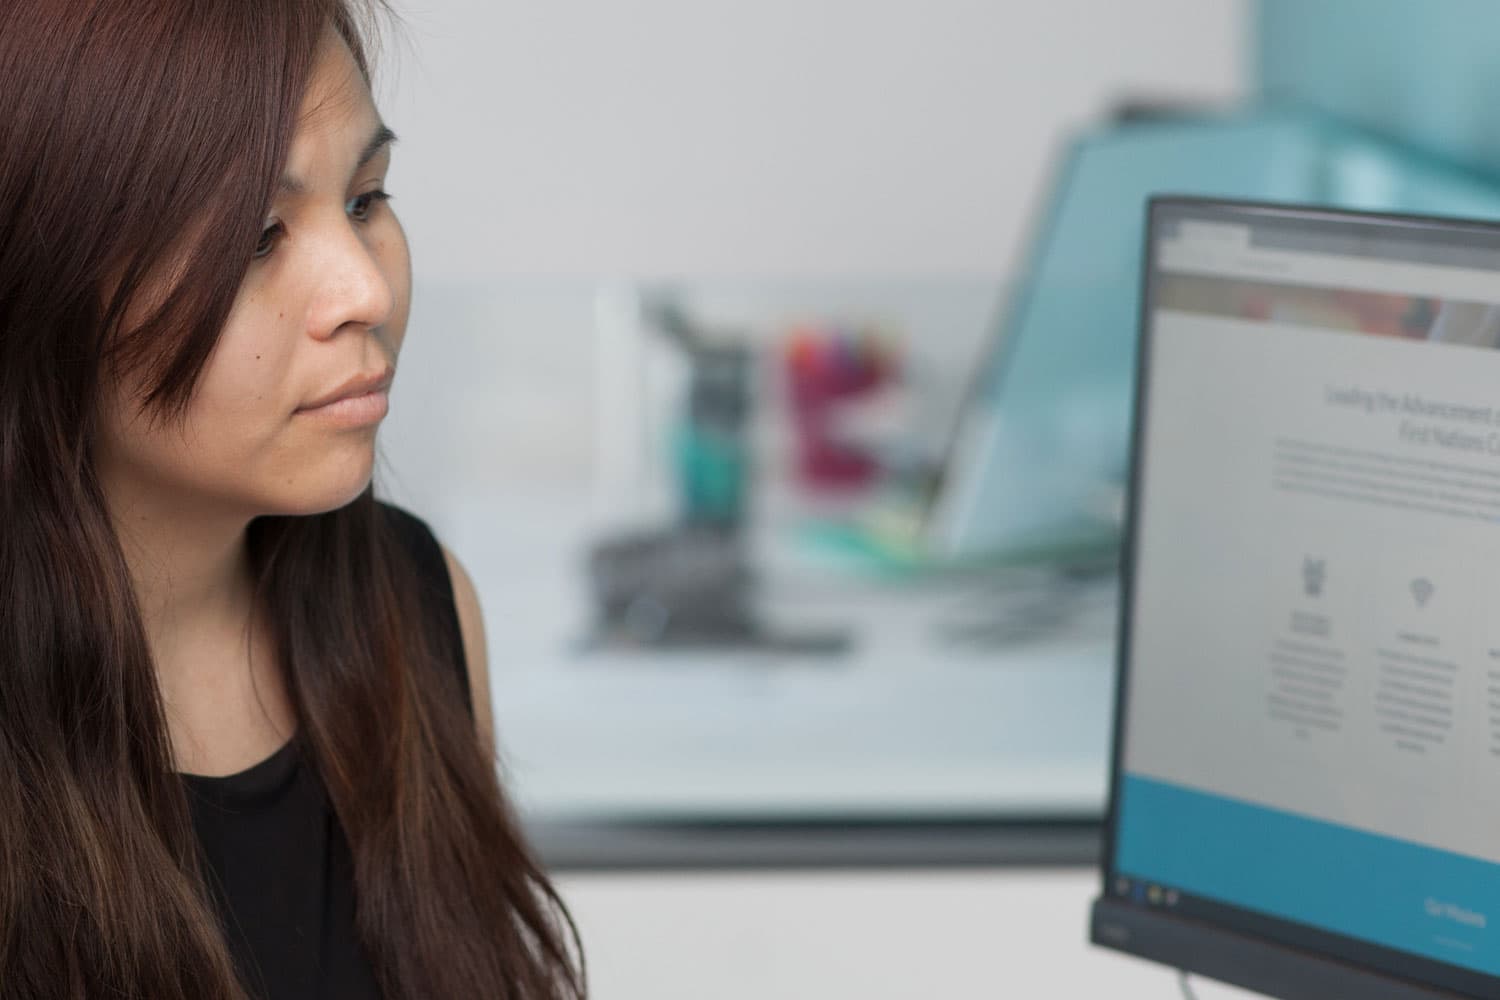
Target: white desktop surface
[903,935]
[903,725]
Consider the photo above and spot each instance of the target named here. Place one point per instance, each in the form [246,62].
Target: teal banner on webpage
[1403,895]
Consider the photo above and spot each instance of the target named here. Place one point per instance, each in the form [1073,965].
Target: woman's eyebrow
[379,139]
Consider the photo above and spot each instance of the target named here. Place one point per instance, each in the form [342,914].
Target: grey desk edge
[750,844]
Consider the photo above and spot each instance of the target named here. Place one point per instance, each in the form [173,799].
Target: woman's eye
[360,207]
[267,241]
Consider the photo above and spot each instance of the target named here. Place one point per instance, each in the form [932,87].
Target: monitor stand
[1240,960]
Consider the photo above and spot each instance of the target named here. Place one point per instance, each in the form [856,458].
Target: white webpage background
[1219,574]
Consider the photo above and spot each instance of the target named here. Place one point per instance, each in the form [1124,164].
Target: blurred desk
[526,418]
[907,749]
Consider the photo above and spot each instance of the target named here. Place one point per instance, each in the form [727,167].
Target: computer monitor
[1305,798]
[1038,464]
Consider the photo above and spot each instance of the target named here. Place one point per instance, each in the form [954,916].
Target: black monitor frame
[1276,957]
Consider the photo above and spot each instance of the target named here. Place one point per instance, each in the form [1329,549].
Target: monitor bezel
[1235,945]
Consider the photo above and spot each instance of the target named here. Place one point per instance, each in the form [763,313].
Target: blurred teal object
[711,464]
[1420,72]
[709,443]
[1040,458]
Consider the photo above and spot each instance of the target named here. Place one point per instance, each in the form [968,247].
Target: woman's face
[324,302]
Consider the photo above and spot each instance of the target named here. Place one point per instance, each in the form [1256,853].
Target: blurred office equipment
[1038,462]
[673,586]
[688,582]
[691,583]
[711,439]
[1419,74]
[825,368]
[1302,798]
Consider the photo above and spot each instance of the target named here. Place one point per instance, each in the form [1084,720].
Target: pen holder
[823,370]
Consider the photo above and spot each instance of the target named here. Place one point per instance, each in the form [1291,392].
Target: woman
[239,753]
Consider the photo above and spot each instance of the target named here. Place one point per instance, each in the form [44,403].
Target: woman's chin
[334,486]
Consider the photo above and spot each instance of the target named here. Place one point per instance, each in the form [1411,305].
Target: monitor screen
[1308,734]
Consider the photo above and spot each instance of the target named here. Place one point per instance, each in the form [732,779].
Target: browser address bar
[1330,271]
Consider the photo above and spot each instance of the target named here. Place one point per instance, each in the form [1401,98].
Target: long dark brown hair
[133,133]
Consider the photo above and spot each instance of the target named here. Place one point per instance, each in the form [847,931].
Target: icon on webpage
[1422,590]
[1314,572]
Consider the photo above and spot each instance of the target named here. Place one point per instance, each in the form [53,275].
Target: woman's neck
[215,665]
[188,563]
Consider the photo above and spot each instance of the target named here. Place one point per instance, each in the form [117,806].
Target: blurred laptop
[1035,468]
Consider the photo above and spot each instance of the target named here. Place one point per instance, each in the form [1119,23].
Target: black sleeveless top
[277,863]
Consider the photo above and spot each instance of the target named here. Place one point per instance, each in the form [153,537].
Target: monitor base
[1239,960]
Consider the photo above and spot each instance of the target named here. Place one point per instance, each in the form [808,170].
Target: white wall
[956,935]
[763,137]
